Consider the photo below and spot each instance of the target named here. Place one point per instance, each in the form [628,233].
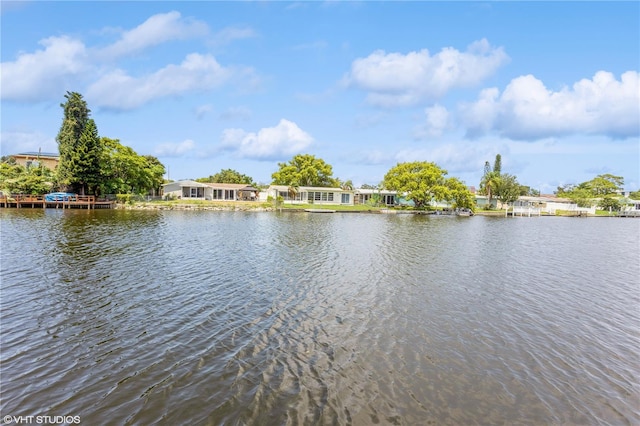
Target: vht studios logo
[41,420]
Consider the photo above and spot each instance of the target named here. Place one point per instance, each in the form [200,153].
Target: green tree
[421,181]
[126,172]
[527,190]
[85,160]
[604,184]
[488,185]
[634,195]
[491,178]
[156,171]
[10,173]
[228,176]
[459,194]
[304,170]
[497,164]
[75,119]
[507,189]
[562,190]
[610,203]
[583,197]
[16,179]
[346,185]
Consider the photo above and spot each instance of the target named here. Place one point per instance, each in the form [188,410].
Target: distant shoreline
[261,207]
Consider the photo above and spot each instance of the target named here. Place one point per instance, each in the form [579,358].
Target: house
[34,159]
[190,189]
[309,195]
[185,189]
[381,196]
[551,203]
[482,202]
[233,191]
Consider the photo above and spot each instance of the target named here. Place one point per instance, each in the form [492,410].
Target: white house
[386,197]
[309,195]
[549,204]
[189,189]
[185,189]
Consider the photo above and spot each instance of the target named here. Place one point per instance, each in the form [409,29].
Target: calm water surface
[135,317]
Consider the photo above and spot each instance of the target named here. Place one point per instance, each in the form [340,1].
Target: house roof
[191,183]
[374,191]
[546,199]
[236,186]
[37,154]
[306,188]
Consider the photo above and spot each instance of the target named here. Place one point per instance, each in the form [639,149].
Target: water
[138,317]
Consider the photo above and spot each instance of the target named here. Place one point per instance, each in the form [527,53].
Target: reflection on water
[131,317]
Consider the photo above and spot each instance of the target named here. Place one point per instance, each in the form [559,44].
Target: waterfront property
[189,189]
[382,196]
[35,159]
[550,204]
[309,195]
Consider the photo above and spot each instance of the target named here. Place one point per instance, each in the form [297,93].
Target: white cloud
[119,90]
[371,157]
[175,149]
[203,110]
[65,63]
[45,73]
[229,34]
[437,120]
[527,110]
[394,79]
[156,30]
[285,139]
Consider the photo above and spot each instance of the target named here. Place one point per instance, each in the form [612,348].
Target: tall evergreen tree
[85,160]
[497,165]
[76,116]
[487,168]
[491,178]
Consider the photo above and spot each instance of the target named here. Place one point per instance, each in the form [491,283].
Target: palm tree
[489,183]
[293,191]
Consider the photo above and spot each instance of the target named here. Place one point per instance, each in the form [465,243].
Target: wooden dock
[38,201]
[629,213]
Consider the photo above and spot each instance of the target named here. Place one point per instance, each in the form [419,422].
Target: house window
[330,195]
[196,193]
[345,199]
[317,196]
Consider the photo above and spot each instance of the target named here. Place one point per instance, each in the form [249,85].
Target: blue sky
[204,86]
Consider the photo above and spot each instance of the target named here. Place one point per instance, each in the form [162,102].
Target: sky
[553,87]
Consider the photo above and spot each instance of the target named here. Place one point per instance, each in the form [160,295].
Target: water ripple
[245,318]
